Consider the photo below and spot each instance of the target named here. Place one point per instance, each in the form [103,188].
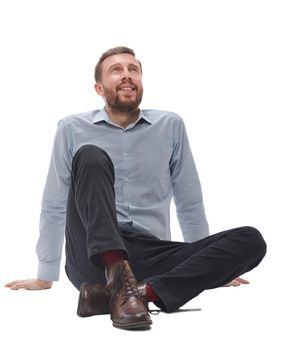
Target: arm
[53,212]
[186,187]
[188,194]
[53,206]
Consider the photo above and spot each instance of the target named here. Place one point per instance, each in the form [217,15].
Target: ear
[99,89]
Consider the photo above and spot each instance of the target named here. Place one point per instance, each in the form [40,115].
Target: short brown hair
[114,51]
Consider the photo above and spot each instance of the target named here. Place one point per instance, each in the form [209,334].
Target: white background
[217,64]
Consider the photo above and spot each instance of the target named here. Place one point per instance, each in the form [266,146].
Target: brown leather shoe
[127,308]
[93,300]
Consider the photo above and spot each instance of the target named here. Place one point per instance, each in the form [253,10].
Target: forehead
[123,59]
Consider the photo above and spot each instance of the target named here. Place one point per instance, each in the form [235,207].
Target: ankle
[150,293]
[111,259]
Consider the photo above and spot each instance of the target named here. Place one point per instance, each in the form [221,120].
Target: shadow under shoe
[93,300]
[127,307]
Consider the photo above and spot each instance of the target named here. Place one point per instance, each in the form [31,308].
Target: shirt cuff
[48,271]
[195,233]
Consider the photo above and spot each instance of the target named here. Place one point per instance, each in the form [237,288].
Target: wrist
[46,284]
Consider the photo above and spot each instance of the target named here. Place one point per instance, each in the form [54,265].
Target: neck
[122,118]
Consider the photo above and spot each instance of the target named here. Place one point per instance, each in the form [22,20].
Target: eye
[134,69]
[116,70]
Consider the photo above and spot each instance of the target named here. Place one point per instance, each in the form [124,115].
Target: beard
[123,103]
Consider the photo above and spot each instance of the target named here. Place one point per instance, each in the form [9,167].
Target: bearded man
[112,175]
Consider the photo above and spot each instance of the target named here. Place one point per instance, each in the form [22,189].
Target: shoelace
[129,289]
[153,312]
[128,284]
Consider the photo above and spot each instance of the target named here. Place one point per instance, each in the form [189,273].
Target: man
[111,179]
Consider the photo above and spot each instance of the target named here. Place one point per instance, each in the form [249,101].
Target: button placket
[125,170]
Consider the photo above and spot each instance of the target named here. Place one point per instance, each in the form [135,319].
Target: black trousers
[177,271]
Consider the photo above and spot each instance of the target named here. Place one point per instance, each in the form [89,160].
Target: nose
[126,74]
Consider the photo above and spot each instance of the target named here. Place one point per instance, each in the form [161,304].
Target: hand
[30,284]
[236,282]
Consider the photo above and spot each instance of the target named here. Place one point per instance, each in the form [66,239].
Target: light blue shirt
[153,163]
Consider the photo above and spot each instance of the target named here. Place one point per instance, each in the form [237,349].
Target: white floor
[245,317]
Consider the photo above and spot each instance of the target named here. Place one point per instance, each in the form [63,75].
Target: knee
[256,241]
[91,156]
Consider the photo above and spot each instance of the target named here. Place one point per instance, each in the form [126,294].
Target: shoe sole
[134,325]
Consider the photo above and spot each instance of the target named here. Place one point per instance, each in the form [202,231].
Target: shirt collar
[103,116]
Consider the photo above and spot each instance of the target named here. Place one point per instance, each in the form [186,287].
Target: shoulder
[161,115]
[167,119]
[77,119]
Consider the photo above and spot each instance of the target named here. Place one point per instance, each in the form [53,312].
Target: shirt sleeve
[53,207]
[187,191]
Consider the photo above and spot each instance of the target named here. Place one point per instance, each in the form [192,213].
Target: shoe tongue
[109,286]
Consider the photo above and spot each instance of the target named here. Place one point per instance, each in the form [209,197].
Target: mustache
[127,83]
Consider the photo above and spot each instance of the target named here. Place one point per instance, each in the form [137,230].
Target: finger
[236,283]
[10,284]
[15,286]
[242,280]
[233,283]
[19,285]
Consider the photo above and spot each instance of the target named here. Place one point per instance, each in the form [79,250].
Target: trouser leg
[91,222]
[177,271]
[180,271]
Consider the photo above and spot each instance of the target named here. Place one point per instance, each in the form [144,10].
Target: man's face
[121,82]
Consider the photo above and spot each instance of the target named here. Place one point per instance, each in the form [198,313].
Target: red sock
[150,294]
[112,256]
